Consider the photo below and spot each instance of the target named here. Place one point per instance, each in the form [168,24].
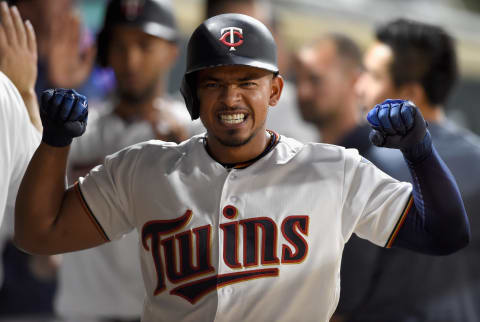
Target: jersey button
[228,290]
[234,198]
[233,176]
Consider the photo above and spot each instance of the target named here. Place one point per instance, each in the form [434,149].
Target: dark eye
[145,45]
[211,85]
[117,46]
[248,84]
[315,80]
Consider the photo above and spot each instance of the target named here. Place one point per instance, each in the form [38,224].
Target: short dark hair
[421,53]
[216,7]
[347,49]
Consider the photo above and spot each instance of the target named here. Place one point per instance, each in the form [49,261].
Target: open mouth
[232,119]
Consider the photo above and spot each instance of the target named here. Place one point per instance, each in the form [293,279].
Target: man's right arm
[435,222]
[49,218]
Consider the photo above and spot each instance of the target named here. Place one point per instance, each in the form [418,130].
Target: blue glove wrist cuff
[419,151]
[56,139]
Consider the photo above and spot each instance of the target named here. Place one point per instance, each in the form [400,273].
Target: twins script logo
[251,248]
[228,37]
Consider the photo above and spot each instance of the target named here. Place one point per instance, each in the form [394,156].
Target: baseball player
[18,109]
[239,223]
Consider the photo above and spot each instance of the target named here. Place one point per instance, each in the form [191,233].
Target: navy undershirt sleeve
[437,223]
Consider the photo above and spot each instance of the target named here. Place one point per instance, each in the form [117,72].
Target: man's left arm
[436,222]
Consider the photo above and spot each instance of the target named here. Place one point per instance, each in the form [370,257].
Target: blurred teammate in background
[19,117]
[20,124]
[416,61]
[138,41]
[326,73]
[66,55]
[63,59]
[66,48]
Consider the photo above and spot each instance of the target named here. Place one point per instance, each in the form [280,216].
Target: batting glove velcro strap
[419,151]
[64,114]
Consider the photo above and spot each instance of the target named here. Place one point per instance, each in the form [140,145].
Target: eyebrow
[249,77]
[209,78]
[242,79]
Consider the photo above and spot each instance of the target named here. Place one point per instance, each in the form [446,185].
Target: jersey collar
[274,139]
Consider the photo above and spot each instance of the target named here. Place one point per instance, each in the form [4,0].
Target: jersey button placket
[234,175]
[227,290]
[231,211]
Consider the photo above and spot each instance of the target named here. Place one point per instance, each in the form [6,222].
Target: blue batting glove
[399,124]
[64,115]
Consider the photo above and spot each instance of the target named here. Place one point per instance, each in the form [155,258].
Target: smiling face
[233,105]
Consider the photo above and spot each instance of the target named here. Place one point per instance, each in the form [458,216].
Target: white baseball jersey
[263,243]
[18,141]
[106,281]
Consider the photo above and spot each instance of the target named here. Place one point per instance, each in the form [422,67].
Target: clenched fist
[399,124]
[64,115]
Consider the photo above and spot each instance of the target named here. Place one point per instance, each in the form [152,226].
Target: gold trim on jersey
[399,224]
[89,212]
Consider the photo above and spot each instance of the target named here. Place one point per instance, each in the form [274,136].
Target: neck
[432,113]
[227,155]
[140,109]
[129,111]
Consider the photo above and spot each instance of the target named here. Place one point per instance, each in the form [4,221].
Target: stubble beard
[235,143]
[140,97]
[312,116]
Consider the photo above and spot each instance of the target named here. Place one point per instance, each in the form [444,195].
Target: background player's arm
[18,57]
[49,218]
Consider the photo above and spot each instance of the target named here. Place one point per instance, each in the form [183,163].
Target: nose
[231,95]
[132,58]
[360,85]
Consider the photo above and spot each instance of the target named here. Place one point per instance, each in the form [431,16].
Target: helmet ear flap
[189,94]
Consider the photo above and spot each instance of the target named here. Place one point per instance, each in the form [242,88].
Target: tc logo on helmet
[228,37]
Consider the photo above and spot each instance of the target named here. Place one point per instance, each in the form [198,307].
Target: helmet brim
[234,61]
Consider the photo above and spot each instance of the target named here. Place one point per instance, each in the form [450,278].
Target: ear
[355,78]
[172,53]
[276,90]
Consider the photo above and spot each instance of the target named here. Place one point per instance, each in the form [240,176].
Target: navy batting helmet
[154,17]
[223,40]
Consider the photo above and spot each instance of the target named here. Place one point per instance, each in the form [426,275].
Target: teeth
[232,118]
